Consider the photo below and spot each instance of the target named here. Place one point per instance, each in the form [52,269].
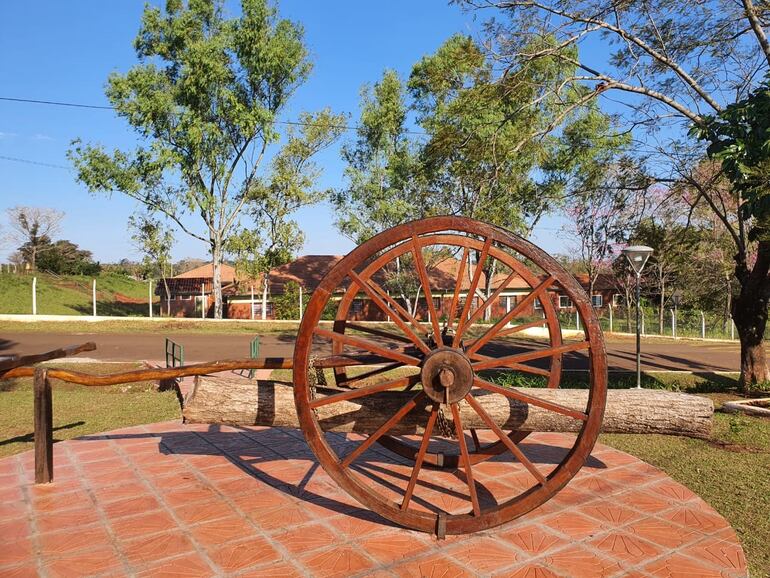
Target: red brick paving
[173,500]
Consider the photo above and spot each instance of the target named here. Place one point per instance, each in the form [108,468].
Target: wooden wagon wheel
[466,272]
[444,371]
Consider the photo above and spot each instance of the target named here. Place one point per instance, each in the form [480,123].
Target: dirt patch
[120,298]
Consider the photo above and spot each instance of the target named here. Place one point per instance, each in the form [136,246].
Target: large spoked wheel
[455,296]
[448,457]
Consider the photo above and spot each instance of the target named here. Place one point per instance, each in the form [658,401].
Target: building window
[538,305]
[257,307]
[357,306]
[597,300]
[564,302]
[437,303]
[617,299]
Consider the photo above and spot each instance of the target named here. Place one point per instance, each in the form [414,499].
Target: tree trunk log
[234,402]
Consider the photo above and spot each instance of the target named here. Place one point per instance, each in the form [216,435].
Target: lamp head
[637,256]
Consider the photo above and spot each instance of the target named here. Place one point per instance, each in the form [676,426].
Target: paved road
[656,355]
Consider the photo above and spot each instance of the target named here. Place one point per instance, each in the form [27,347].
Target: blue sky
[64,51]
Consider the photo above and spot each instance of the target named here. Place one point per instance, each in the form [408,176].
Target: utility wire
[38,163]
[102,107]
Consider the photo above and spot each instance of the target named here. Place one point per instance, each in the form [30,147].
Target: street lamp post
[637,256]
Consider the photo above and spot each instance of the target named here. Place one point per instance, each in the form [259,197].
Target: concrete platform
[174,500]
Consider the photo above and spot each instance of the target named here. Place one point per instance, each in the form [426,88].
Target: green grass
[156,325]
[81,410]
[71,294]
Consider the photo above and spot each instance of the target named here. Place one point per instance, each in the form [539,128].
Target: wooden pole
[34,295]
[149,297]
[43,410]
[252,302]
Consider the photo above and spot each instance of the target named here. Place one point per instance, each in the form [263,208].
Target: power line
[38,163]
[101,107]
[55,103]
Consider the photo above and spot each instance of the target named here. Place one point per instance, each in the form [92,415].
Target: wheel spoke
[456,296]
[350,360]
[396,306]
[465,459]
[472,290]
[425,281]
[511,360]
[372,373]
[388,311]
[364,391]
[378,332]
[518,328]
[495,329]
[519,395]
[420,456]
[461,329]
[516,366]
[383,429]
[368,345]
[518,454]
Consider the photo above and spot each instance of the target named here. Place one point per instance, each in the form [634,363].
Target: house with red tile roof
[246,298]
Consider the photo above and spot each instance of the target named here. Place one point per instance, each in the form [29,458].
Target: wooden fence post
[43,409]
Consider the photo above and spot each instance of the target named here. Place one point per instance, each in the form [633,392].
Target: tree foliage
[675,66]
[204,99]
[33,228]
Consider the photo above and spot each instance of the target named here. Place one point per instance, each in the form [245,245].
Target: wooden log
[228,401]
[17,361]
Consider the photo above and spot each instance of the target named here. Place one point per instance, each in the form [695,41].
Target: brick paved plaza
[178,500]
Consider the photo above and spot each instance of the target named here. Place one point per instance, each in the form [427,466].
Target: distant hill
[71,294]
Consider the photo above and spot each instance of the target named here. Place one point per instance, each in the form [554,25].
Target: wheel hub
[447,375]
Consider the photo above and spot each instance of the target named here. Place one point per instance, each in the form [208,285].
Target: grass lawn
[71,295]
[81,410]
[165,326]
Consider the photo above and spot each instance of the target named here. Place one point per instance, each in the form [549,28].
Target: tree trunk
[216,262]
[662,306]
[265,284]
[727,317]
[241,402]
[750,317]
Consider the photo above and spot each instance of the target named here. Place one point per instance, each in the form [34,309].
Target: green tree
[155,240]
[205,98]
[286,305]
[66,258]
[675,65]
[384,184]
[674,246]
[34,228]
[472,158]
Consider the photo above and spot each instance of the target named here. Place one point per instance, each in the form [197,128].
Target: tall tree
[33,228]
[678,65]
[384,186]
[472,158]
[205,98]
[155,240]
